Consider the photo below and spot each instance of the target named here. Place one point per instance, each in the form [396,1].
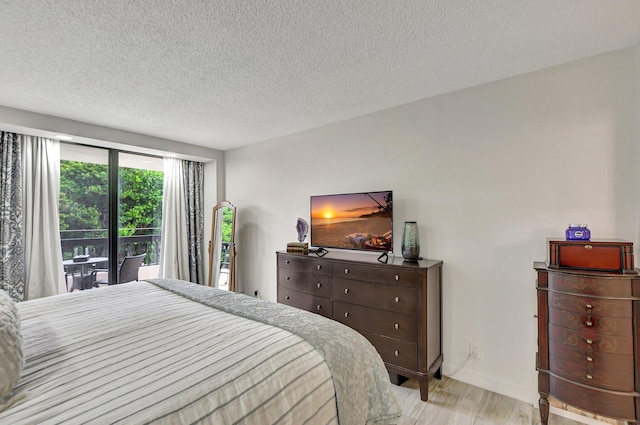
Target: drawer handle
[397,353]
[318,267]
[589,376]
[397,326]
[319,285]
[287,297]
[397,299]
[286,262]
[588,247]
[397,277]
[318,307]
[346,314]
[589,341]
[288,278]
[589,359]
[588,323]
[346,271]
[589,306]
[346,290]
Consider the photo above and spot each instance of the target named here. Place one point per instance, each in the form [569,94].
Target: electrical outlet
[475,351]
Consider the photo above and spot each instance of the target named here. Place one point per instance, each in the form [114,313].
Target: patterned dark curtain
[12,270]
[193,179]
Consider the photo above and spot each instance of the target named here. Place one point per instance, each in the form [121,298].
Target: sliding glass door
[84,213]
[140,210]
[110,209]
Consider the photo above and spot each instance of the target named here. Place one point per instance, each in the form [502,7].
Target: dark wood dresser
[588,341]
[396,306]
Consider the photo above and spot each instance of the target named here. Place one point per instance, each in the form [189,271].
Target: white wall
[488,172]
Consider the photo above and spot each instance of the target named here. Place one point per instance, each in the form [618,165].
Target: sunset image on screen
[352,221]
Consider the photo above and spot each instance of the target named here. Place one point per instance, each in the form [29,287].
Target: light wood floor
[452,402]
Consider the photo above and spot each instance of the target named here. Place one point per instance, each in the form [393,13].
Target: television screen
[353,221]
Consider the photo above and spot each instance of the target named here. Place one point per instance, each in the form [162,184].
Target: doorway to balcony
[110,208]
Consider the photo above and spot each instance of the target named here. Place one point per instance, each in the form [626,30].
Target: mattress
[170,352]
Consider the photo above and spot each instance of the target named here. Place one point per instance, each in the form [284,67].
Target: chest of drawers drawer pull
[319,285]
[346,314]
[589,341]
[287,262]
[318,267]
[588,247]
[589,307]
[318,307]
[397,299]
[346,271]
[589,359]
[588,323]
[589,376]
[287,297]
[288,278]
[397,353]
[346,290]
[397,277]
[397,326]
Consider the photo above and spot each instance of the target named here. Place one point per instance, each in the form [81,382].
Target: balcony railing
[97,246]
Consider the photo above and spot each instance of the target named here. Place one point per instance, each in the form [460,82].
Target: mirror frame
[232,254]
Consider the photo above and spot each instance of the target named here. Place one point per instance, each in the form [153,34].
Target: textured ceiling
[223,74]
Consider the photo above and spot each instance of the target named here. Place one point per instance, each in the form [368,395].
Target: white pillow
[11,356]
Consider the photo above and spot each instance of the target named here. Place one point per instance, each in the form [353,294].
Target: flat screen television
[361,221]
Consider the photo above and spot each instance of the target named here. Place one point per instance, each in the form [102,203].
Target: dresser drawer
[593,377]
[393,325]
[599,325]
[591,359]
[387,297]
[608,371]
[304,263]
[587,340]
[398,353]
[304,301]
[603,403]
[589,285]
[311,283]
[596,306]
[369,273]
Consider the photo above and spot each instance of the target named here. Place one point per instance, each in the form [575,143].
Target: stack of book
[298,248]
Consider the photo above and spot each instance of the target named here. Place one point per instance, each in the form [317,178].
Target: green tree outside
[84,200]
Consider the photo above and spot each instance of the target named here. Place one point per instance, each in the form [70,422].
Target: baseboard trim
[489,383]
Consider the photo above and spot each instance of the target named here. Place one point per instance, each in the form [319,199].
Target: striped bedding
[141,353]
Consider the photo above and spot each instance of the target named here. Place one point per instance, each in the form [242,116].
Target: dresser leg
[543,403]
[424,388]
[438,374]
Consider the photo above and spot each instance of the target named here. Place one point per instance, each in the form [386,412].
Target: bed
[171,352]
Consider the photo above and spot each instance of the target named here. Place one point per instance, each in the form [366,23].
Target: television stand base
[383,258]
[321,252]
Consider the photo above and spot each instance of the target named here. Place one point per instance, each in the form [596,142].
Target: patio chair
[128,271]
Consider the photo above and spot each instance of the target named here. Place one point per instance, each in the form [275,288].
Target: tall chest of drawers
[588,341]
[397,306]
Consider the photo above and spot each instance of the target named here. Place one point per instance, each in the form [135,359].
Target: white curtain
[174,256]
[44,273]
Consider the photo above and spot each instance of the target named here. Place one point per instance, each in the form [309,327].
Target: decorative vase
[410,241]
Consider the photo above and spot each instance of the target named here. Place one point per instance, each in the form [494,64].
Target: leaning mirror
[222,248]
